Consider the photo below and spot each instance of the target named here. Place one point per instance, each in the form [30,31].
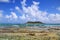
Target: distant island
[30,22]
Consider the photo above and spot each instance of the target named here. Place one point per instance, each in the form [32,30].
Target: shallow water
[29,25]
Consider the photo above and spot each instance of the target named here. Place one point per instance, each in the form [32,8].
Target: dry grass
[24,34]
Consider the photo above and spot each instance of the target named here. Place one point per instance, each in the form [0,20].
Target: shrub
[31,34]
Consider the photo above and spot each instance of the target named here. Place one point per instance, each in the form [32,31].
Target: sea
[28,25]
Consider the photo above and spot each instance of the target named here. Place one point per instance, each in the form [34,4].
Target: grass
[23,34]
[30,36]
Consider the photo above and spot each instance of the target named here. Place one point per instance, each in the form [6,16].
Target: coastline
[30,33]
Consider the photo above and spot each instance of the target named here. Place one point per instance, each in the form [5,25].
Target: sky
[22,11]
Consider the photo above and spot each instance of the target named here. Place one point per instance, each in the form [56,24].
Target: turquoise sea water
[28,25]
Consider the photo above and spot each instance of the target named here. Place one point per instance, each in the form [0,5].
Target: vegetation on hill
[34,22]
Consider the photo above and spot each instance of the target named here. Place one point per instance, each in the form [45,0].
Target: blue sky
[21,11]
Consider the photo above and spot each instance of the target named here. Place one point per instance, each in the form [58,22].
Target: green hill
[30,22]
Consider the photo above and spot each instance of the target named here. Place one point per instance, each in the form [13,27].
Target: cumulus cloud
[58,8]
[13,16]
[54,18]
[22,17]
[19,10]
[1,15]
[4,0]
[36,3]
[34,14]
[23,2]
[1,11]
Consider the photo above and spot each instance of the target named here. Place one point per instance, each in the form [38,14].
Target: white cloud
[23,2]
[54,18]
[58,8]
[1,15]
[36,3]
[25,17]
[4,0]
[7,16]
[13,16]
[1,11]
[34,14]
[19,10]
[22,17]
